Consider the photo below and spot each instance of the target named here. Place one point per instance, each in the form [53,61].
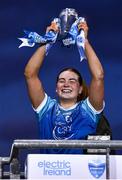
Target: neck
[67,104]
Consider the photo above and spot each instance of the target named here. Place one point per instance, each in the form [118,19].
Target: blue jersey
[57,123]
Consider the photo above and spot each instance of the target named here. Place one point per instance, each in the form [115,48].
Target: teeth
[66,91]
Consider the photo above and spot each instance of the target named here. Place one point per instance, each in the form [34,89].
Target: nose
[66,83]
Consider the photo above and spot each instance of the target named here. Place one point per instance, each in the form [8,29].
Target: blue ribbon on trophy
[68,33]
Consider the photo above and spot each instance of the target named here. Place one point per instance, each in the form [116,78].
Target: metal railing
[14,162]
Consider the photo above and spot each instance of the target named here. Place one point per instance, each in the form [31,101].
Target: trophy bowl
[67,17]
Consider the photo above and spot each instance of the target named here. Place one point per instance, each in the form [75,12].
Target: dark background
[17,119]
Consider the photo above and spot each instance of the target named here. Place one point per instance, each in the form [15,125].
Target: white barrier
[44,166]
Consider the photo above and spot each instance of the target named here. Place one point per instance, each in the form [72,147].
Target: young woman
[73,115]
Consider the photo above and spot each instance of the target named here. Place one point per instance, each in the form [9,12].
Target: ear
[80,89]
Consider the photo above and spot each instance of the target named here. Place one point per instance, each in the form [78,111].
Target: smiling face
[68,86]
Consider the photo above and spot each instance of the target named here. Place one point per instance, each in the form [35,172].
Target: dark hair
[72,70]
[84,94]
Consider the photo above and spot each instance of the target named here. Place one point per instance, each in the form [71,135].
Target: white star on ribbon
[25,42]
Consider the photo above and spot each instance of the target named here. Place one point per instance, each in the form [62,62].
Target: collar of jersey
[67,109]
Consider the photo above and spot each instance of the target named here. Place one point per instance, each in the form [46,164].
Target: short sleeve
[94,114]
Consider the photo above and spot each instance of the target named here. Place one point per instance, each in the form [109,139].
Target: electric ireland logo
[55,168]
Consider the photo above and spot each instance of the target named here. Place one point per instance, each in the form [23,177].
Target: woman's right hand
[53,27]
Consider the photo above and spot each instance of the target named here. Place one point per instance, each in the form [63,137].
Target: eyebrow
[68,79]
[73,79]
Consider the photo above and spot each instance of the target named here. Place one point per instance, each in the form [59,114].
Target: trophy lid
[68,12]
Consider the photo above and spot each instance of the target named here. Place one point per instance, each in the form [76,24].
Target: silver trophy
[67,17]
